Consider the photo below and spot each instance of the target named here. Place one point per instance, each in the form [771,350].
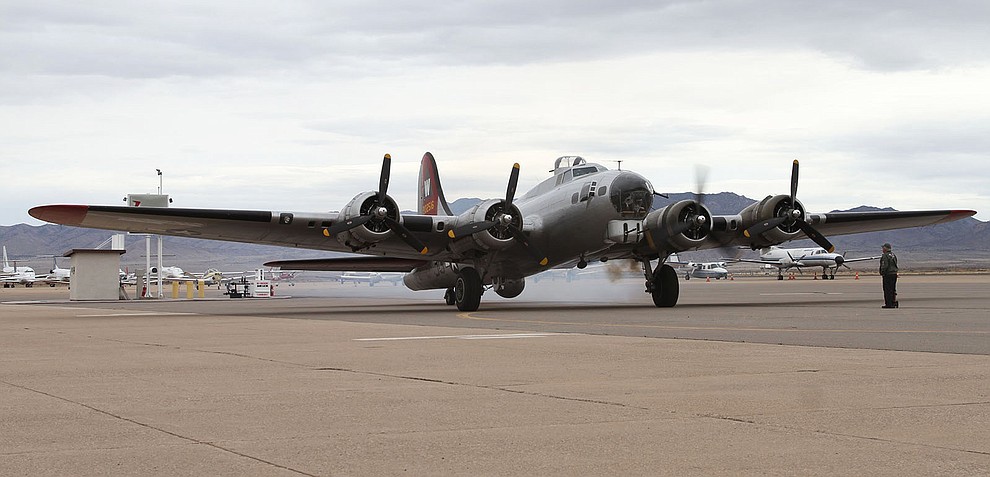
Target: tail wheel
[665,287]
[468,290]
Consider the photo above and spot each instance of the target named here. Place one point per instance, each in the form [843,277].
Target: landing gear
[665,287]
[448,296]
[468,289]
[661,284]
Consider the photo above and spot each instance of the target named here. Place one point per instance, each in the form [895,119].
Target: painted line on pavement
[462,337]
[137,313]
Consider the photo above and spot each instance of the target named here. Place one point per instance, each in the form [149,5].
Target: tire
[666,288]
[467,290]
[448,296]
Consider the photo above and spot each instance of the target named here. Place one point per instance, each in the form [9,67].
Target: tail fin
[5,264]
[431,199]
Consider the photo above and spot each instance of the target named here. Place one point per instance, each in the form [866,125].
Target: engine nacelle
[495,238]
[433,276]
[769,208]
[373,231]
[682,225]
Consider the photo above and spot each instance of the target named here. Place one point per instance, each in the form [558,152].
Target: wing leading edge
[287,229]
[841,223]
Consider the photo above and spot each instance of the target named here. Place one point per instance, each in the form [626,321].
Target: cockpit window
[581,171]
[631,195]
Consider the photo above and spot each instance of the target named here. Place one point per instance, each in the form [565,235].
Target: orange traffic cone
[857,275]
[708,280]
[816,276]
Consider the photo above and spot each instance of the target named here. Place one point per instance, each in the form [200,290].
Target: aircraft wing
[861,259]
[840,223]
[350,264]
[776,263]
[287,229]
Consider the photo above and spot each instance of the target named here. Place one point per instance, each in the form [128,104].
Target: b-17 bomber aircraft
[583,212]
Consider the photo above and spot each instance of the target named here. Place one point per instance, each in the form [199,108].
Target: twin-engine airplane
[788,258]
[583,212]
[704,270]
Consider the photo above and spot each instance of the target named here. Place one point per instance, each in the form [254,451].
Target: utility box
[260,289]
[147,200]
[95,274]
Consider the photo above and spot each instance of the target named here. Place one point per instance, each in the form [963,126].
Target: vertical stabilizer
[5,264]
[431,199]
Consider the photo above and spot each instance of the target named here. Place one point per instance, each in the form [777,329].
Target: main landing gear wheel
[665,287]
[448,296]
[468,290]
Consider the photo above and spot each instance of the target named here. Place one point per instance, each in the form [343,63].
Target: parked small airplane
[704,270]
[787,258]
[277,275]
[583,212]
[14,275]
[58,276]
[371,278]
[210,277]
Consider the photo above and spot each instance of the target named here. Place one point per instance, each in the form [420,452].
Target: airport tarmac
[750,376]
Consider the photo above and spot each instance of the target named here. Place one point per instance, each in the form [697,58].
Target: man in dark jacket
[888,272]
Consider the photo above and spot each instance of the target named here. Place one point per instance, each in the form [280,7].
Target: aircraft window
[581,171]
[601,191]
[631,195]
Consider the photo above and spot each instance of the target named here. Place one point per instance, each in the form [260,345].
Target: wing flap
[350,264]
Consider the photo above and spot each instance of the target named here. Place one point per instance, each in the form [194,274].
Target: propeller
[691,221]
[501,223]
[792,215]
[377,214]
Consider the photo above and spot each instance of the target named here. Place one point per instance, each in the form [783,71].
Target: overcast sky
[290,105]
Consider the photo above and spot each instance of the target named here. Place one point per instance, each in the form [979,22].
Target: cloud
[305,96]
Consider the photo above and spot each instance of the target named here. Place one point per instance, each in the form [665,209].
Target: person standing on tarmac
[888,272]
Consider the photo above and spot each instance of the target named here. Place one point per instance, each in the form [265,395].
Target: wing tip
[60,214]
[958,214]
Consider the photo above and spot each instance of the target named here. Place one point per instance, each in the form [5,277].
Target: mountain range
[964,244]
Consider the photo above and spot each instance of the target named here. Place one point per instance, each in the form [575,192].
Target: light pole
[160,264]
